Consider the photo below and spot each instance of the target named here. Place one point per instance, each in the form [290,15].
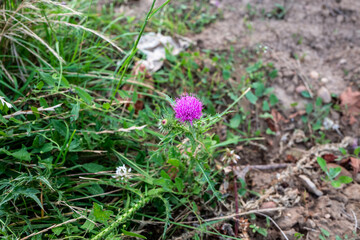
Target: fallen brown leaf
[350,102]
[354,163]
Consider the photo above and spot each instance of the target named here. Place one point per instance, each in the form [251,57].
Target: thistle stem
[141,203]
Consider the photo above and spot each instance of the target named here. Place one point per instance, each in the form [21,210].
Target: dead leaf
[350,102]
[329,158]
[354,163]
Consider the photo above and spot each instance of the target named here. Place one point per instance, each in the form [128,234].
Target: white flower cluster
[122,172]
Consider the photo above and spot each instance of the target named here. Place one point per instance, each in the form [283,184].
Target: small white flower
[230,157]
[3,102]
[122,172]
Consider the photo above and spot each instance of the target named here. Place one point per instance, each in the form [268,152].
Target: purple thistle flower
[187,108]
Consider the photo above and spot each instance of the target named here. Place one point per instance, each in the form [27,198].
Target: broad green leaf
[101,215]
[93,167]
[357,151]
[265,106]
[273,99]
[57,230]
[305,94]
[334,172]
[235,121]
[179,184]
[163,174]
[345,179]
[325,232]
[343,151]
[336,183]
[251,97]
[322,164]
[21,154]
[173,161]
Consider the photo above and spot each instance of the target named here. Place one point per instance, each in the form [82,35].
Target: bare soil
[315,46]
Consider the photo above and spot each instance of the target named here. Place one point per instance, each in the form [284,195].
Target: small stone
[324,94]
[266,205]
[358,178]
[290,89]
[324,80]
[310,224]
[342,61]
[288,73]
[327,216]
[340,18]
[300,88]
[353,192]
[314,75]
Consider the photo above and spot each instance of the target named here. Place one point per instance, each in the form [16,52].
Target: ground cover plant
[95,146]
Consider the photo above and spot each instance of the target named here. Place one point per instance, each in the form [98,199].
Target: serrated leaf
[84,95]
[75,112]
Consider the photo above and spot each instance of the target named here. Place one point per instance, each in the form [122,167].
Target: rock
[310,224]
[288,72]
[340,18]
[324,94]
[358,178]
[266,205]
[291,217]
[314,75]
[300,88]
[310,186]
[353,192]
[327,216]
[290,233]
[324,80]
[290,89]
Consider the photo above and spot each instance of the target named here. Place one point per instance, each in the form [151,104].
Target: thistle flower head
[188,108]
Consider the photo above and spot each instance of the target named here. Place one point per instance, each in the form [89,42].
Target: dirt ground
[326,38]
[315,47]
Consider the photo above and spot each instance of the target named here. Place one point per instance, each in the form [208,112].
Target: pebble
[324,80]
[300,88]
[268,205]
[327,216]
[290,89]
[324,94]
[288,73]
[340,18]
[314,75]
